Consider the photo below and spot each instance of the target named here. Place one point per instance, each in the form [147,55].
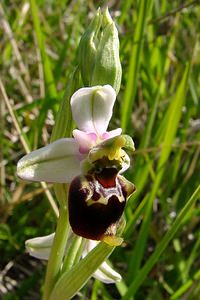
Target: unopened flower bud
[99,53]
[87,49]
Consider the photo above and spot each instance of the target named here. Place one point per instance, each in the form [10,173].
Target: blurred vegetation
[158,105]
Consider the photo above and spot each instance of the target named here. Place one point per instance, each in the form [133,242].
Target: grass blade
[175,110]
[48,75]
[130,90]
[161,246]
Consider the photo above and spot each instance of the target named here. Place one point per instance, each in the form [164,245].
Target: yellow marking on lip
[112,240]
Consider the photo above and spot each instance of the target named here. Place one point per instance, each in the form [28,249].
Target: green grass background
[158,105]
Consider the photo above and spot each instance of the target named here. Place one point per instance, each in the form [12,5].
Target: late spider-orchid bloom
[91,162]
[61,160]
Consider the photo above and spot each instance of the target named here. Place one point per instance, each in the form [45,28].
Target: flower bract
[40,248]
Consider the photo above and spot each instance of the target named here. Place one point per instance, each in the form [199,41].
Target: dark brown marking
[107,177]
[96,196]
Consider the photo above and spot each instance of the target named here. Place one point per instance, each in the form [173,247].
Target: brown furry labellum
[96,203]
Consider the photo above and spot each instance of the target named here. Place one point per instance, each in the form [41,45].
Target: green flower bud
[99,53]
[87,49]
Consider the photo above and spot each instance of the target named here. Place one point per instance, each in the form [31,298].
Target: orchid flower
[60,161]
[91,162]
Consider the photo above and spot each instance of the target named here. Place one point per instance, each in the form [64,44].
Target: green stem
[59,243]
[80,251]
[72,252]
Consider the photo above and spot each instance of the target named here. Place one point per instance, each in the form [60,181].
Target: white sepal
[92,108]
[40,247]
[57,162]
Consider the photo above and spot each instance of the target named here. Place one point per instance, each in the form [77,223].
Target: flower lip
[92,221]
[107,177]
[96,203]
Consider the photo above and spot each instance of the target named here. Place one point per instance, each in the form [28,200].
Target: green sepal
[129,144]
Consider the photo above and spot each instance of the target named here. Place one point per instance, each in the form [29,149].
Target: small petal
[85,140]
[57,162]
[112,133]
[104,273]
[40,247]
[92,108]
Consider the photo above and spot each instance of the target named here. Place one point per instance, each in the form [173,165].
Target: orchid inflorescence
[91,163]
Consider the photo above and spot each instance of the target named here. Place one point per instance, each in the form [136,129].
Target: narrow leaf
[71,282]
[130,91]
[174,113]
